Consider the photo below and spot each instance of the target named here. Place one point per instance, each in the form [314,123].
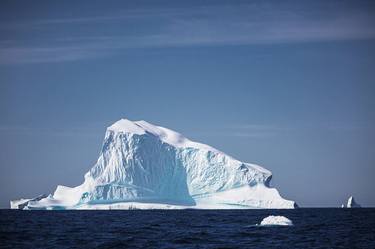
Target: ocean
[313,228]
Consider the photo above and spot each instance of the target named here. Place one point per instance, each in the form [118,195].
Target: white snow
[128,126]
[276,221]
[146,166]
[166,135]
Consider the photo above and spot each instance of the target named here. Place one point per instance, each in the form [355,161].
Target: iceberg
[145,166]
[276,221]
[351,203]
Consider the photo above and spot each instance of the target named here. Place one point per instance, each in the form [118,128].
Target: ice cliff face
[147,166]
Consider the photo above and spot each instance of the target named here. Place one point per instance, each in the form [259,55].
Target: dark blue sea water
[313,228]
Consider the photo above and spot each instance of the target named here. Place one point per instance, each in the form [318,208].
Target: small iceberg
[352,203]
[273,220]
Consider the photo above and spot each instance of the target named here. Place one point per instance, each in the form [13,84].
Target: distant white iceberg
[276,221]
[146,166]
[352,203]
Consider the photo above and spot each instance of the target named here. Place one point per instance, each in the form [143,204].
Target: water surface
[313,228]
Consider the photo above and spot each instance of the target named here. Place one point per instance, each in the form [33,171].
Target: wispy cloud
[258,130]
[245,24]
[55,132]
[38,55]
[244,131]
[263,131]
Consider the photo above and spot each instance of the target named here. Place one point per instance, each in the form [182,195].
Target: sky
[288,85]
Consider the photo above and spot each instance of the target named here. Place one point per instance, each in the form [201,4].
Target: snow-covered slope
[146,166]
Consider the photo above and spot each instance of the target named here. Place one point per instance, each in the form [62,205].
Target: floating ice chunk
[273,220]
[352,204]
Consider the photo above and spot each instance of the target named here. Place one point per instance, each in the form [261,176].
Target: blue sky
[288,85]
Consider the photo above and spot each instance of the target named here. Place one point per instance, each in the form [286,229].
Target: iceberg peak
[127,126]
[166,135]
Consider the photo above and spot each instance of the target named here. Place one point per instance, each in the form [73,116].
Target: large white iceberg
[146,166]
